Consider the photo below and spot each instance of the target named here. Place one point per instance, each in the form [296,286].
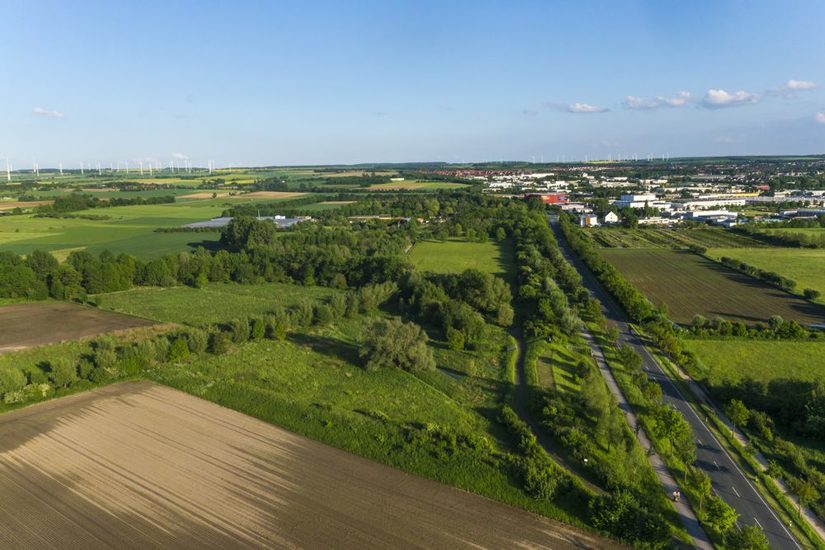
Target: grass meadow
[455,255]
[689,284]
[217,302]
[762,360]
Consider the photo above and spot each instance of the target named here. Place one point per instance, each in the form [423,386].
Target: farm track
[136,465]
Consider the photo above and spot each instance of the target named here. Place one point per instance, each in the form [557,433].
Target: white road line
[757,522]
[735,492]
[717,466]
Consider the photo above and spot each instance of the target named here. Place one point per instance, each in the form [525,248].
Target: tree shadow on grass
[327,346]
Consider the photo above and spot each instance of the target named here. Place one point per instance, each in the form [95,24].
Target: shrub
[62,372]
[395,344]
[455,339]
[811,294]
[198,340]
[275,328]
[179,349]
[218,343]
[11,380]
[239,330]
[322,315]
[257,329]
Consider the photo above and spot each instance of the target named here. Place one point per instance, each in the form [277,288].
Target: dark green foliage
[257,329]
[621,515]
[811,294]
[322,315]
[750,537]
[218,343]
[239,330]
[62,372]
[395,344]
[197,340]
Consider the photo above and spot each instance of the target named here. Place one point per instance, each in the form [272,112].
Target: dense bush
[395,344]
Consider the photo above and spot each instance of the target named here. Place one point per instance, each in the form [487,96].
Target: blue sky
[260,83]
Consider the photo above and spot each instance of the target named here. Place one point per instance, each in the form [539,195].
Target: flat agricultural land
[137,465]
[690,284]
[269,195]
[806,266]
[413,185]
[201,195]
[454,256]
[129,229]
[214,303]
[26,325]
[680,237]
[764,361]
[11,205]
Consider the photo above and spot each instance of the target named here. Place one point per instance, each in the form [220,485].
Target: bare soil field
[269,195]
[136,465]
[27,325]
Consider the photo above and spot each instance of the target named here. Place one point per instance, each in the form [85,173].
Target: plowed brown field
[26,325]
[136,465]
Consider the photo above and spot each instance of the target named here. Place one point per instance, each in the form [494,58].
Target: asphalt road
[729,482]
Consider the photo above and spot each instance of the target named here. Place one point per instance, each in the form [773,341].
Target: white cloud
[820,117]
[179,156]
[800,85]
[717,99]
[40,111]
[679,100]
[585,108]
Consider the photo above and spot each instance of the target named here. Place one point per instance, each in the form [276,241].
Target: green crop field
[679,237]
[806,266]
[129,229]
[733,360]
[689,284]
[214,303]
[454,256]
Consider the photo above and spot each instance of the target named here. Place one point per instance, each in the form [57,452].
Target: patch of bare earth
[136,465]
[27,325]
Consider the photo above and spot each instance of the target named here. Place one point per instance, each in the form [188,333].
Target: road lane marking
[757,523]
[736,492]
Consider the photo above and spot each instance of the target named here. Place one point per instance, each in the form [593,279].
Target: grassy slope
[806,266]
[689,284]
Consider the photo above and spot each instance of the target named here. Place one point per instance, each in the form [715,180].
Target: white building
[611,218]
[635,201]
[588,220]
